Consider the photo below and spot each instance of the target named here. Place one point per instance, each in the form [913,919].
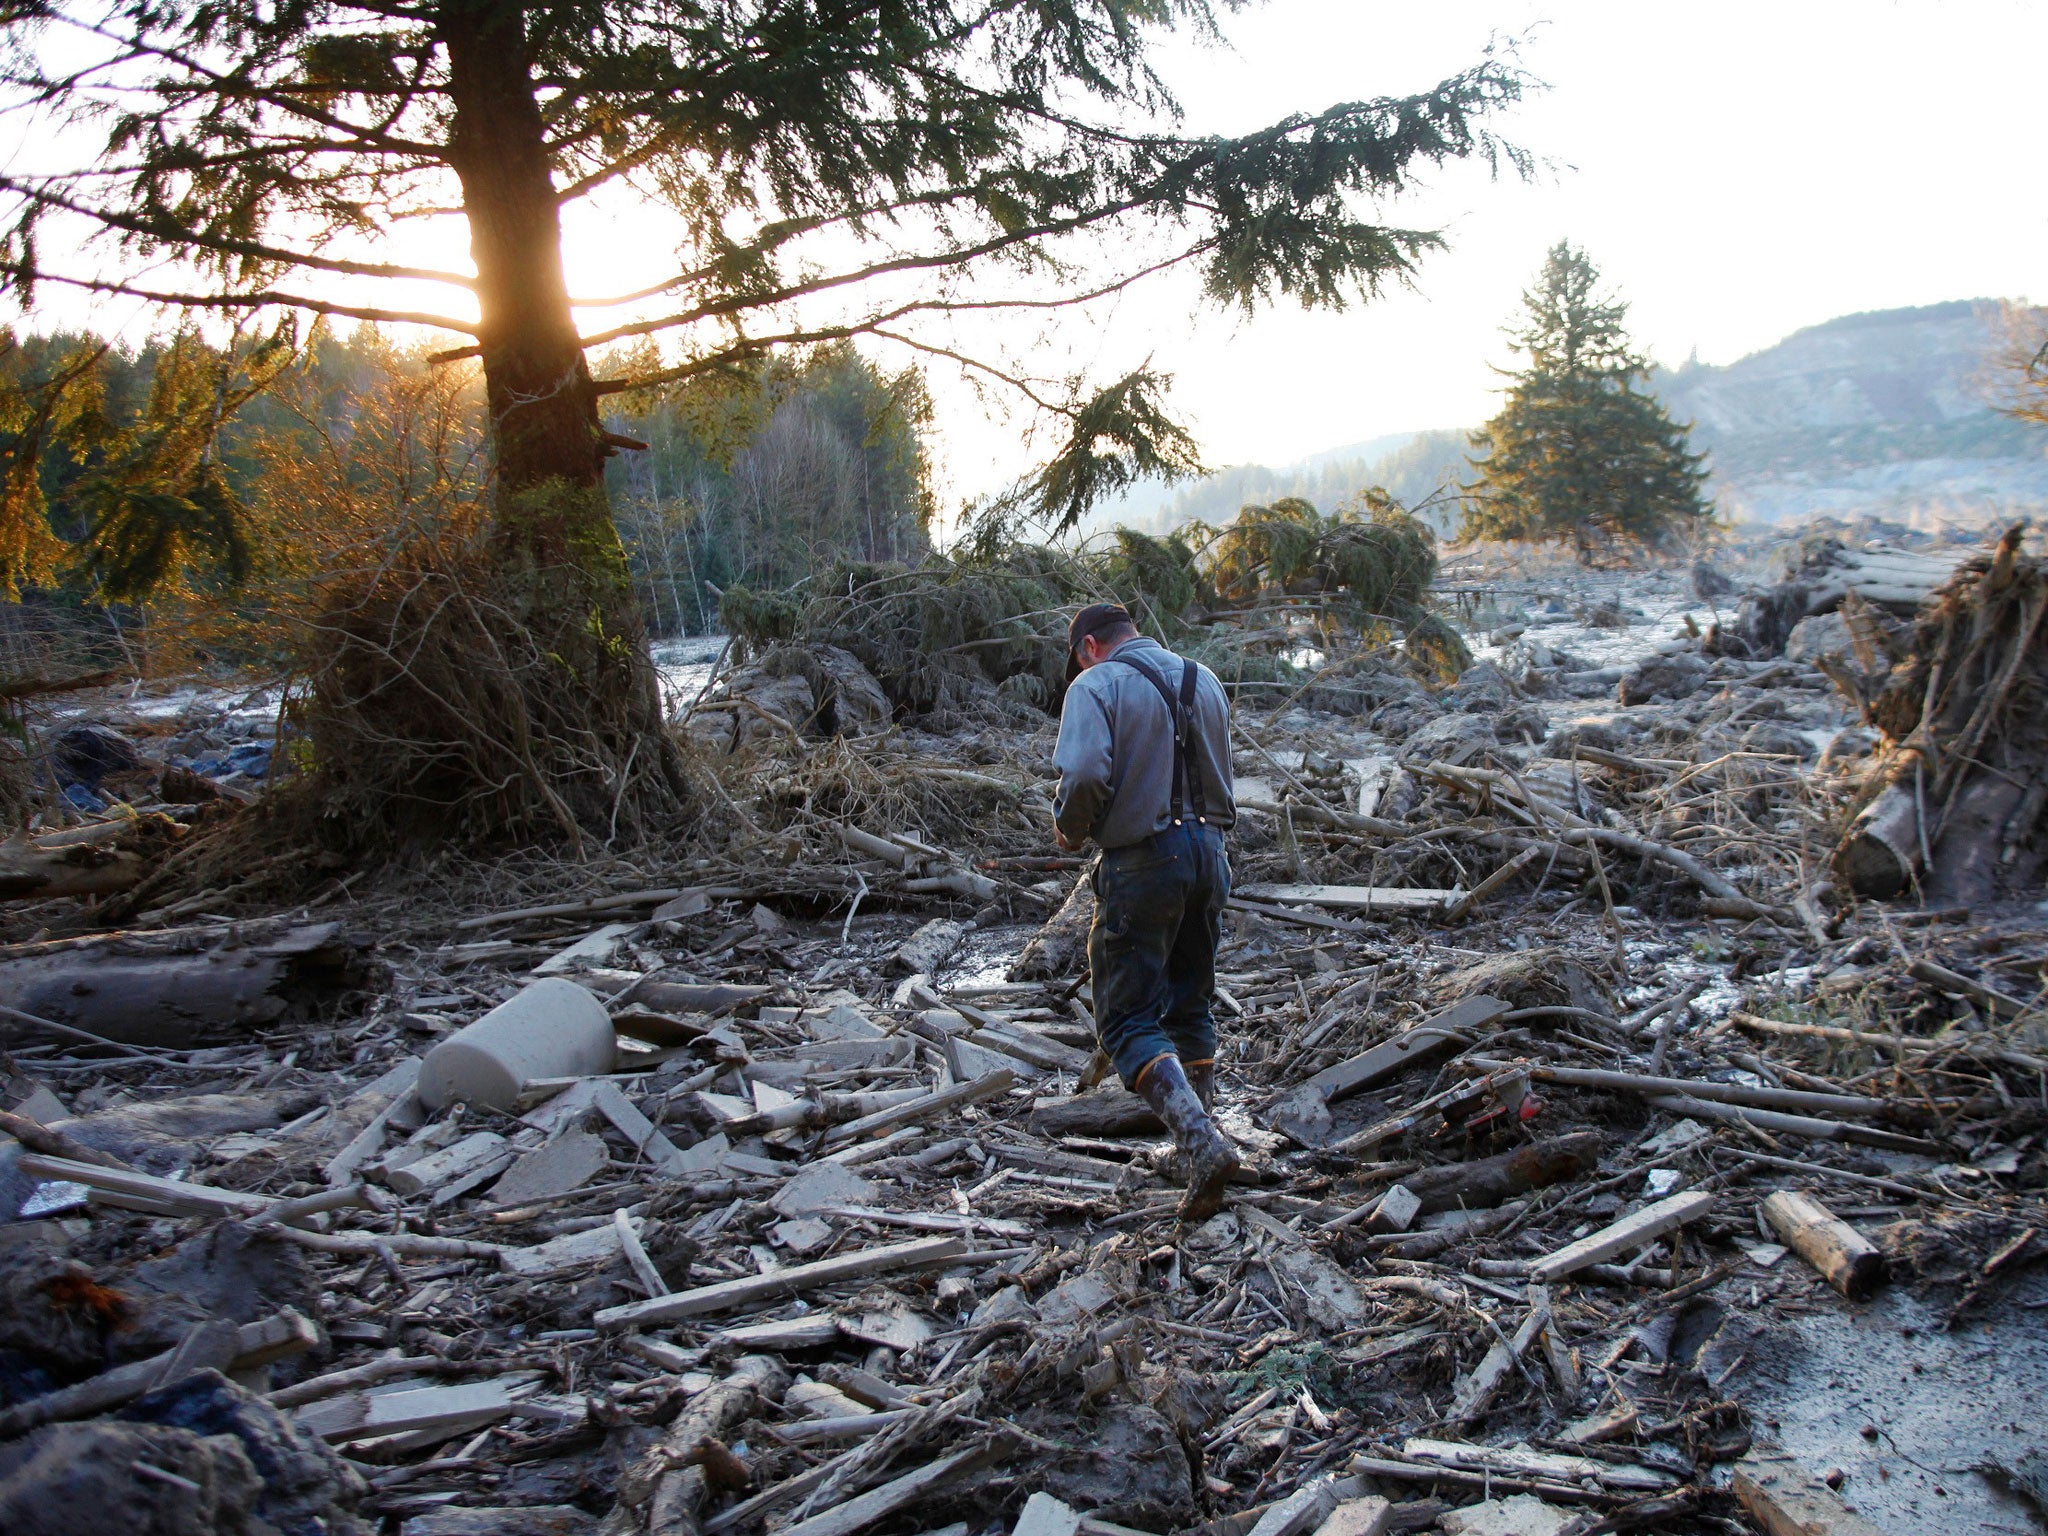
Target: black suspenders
[1181,714]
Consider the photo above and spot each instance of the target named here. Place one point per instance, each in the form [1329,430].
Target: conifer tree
[834,169]
[1581,452]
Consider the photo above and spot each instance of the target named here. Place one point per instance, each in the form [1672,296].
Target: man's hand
[1060,838]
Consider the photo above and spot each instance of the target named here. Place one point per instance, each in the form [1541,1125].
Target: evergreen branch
[265,299]
[162,229]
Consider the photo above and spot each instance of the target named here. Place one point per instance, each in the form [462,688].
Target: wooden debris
[901,1492]
[728,1294]
[241,1348]
[1623,1236]
[1476,1391]
[1356,898]
[362,1415]
[1785,1500]
[925,1107]
[1844,1257]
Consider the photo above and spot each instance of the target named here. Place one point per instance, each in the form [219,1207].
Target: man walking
[1144,764]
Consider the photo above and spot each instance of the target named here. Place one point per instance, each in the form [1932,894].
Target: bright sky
[1736,171]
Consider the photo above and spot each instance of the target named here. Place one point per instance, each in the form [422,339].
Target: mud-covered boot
[1202,1078]
[1211,1159]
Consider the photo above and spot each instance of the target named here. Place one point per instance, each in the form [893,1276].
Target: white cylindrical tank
[553,1028]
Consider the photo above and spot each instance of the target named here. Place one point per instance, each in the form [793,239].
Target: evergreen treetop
[1581,452]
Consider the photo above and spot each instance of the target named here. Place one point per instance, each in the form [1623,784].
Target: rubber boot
[1211,1159]
[1202,1078]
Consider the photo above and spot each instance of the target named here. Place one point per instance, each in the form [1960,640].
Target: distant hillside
[1887,413]
[1413,466]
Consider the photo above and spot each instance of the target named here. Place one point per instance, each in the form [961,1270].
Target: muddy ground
[901,1040]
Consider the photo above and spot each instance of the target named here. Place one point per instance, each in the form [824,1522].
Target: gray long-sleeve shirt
[1115,752]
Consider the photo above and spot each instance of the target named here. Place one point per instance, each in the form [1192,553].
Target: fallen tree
[1958,790]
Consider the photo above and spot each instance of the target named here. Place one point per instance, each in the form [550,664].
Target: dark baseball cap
[1092,620]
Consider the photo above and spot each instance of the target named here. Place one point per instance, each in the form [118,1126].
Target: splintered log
[1108,1112]
[173,991]
[1846,1259]
[1881,855]
[1060,947]
[100,859]
[1490,1180]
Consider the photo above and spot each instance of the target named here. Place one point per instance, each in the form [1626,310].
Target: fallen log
[1060,947]
[102,858]
[225,1347]
[206,988]
[1107,1112]
[728,1294]
[1490,1180]
[1774,1123]
[1841,1254]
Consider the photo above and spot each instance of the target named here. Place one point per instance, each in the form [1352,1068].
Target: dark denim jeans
[1152,950]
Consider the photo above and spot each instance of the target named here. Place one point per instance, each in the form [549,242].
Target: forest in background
[181,501]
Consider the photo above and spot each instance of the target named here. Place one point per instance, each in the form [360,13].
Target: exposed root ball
[437,702]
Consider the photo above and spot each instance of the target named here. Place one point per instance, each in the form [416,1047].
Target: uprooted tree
[1581,453]
[834,170]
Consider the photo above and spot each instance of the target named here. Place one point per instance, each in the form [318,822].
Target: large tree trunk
[554,548]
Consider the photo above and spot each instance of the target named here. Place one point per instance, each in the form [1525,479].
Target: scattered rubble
[781,1189]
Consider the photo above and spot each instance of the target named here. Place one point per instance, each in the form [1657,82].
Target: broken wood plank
[363,1415]
[898,1493]
[143,1191]
[624,1114]
[1622,1236]
[1776,1123]
[791,1333]
[1477,1390]
[926,1106]
[1355,898]
[1842,1255]
[1044,1515]
[455,1168]
[1437,1036]
[727,1294]
[1782,1497]
[1368,1516]
[636,1255]
[929,1221]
